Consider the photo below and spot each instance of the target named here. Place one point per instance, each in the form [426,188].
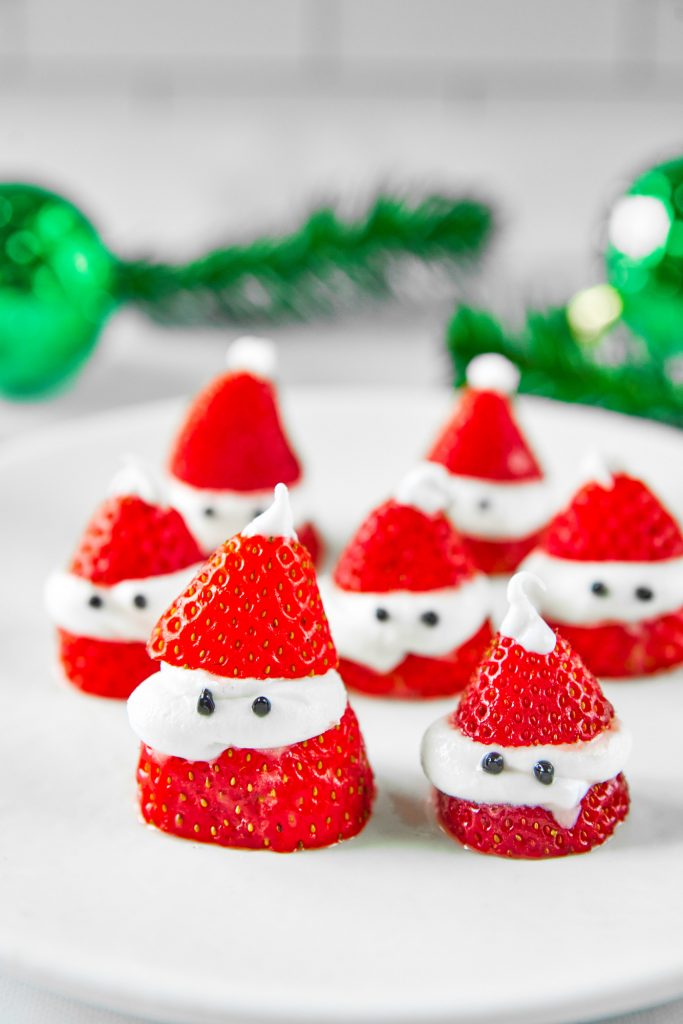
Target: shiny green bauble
[56,281]
[644,257]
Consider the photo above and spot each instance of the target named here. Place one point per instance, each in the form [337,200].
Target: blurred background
[176,126]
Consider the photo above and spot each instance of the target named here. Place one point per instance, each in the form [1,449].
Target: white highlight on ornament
[137,478]
[382,645]
[426,487]
[569,598]
[452,763]
[228,511]
[522,622]
[254,355]
[276,521]
[163,712]
[593,310]
[493,510]
[639,225]
[493,372]
[67,599]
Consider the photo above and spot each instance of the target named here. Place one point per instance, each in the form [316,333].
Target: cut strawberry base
[312,794]
[420,677]
[105,668]
[532,832]
[629,649]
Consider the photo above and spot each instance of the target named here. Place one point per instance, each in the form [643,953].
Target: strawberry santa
[248,739]
[134,555]
[530,762]
[407,606]
[232,450]
[612,562]
[500,499]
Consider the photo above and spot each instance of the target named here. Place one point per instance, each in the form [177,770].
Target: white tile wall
[343,47]
[165,30]
[510,33]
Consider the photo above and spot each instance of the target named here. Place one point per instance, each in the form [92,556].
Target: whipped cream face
[380,630]
[125,611]
[499,511]
[163,711]
[453,764]
[214,516]
[594,593]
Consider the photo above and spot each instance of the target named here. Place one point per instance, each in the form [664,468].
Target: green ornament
[55,289]
[58,283]
[644,257]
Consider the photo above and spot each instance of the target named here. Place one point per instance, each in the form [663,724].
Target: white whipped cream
[426,487]
[136,478]
[276,521]
[230,511]
[569,598]
[452,763]
[493,510]
[383,644]
[257,356]
[522,623]
[68,600]
[163,712]
[492,372]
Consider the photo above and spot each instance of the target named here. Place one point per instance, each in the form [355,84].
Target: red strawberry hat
[233,438]
[131,557]
[483,439]
[409,609]
[616,556]
[529,764]
[407,543]
[247,736]
[482,446]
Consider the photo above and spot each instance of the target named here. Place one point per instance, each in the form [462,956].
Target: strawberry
[252,612]
[233,438]
[400,547]
[420,677]
[483,440]
[519,698]
[532,832]
[310,537]
[314,793]
[103,667]
[631,648]
[530,691]
[254,603]
[127,538]
[495,557]
[623,522]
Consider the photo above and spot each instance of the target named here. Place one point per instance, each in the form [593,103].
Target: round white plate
[399,924]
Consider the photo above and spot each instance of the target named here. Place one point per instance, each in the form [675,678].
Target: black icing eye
[493,763]
[382,614]
[95,601]
[644,593]
[544,772]
[209,511]
[484,504]
[205,703]
[140,601]
[599,588]
[429,618]
[261,707]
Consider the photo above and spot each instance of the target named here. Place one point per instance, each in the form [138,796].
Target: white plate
[398,924]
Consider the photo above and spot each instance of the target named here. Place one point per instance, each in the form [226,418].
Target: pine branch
[554,364]
[324,266]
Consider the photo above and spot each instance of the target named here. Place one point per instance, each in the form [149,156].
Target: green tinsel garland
[555,363]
